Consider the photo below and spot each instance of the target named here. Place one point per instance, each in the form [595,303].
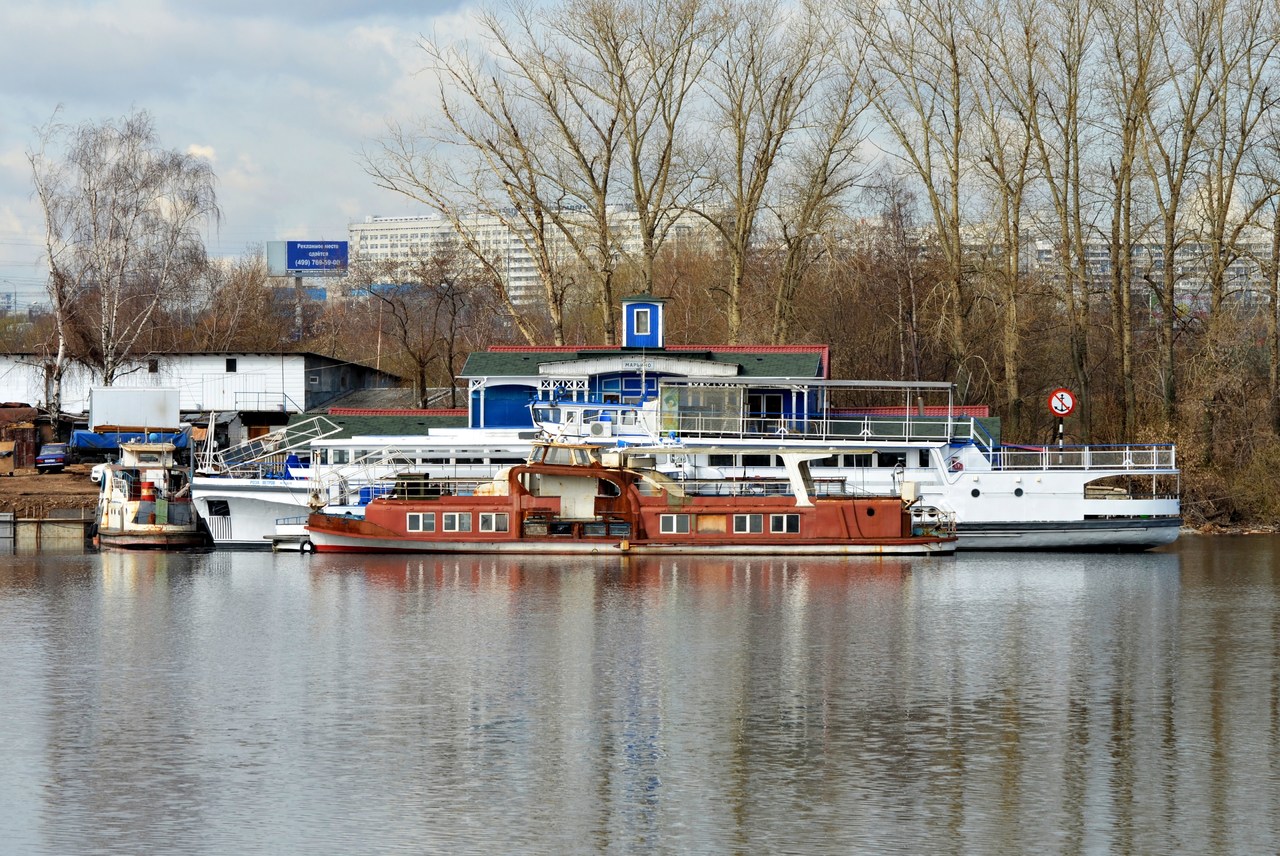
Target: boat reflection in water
[625,572]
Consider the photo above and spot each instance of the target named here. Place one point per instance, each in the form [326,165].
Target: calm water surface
[256,703]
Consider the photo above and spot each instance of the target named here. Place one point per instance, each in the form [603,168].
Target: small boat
[145,500]
[578,498]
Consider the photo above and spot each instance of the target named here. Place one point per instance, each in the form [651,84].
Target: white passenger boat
[1004,497]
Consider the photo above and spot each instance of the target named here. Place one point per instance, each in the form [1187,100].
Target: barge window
[421,522]
[789,523]
[457,521]
[495,522]
[749,523]
[674,524]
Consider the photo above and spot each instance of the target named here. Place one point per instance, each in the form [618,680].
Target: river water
[988,703]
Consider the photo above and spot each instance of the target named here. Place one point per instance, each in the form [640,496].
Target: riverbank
[28,494]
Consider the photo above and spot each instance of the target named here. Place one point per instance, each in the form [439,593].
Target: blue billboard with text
[315,257]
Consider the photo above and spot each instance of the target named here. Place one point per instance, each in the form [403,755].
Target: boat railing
[751,486]
[1125,458]
[248,458]
[428,488]
[843,427]
[931,520]
[376,466]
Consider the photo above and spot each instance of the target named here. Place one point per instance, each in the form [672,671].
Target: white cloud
[281,97]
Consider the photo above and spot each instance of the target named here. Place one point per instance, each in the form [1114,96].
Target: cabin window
[748,523]
[340,456]
[421,522]
[231,365]
[829,461]
[643,324]
[757,460]
[892,459]
[153,366]
[674,524]
[924,457]
[495,522]
[457,521]
[858,460]
[219,508]
[789,523]
[720,460]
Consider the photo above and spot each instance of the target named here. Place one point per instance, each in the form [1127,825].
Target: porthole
[975,493]
[1017,491]
[871,512]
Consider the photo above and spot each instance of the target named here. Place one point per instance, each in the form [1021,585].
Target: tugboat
[571,498]
[145,501]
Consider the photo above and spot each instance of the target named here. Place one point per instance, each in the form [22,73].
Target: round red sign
[1061,402]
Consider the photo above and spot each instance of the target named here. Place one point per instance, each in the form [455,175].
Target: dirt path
[29,494]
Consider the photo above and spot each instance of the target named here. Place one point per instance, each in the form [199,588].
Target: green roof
[751,364]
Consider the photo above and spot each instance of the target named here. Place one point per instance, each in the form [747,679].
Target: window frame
[670,524]
[460,520]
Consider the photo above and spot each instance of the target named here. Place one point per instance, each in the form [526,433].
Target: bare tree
[638,60]
[1058,130]
[919,83]
[1239,144]
[824,167]
[1006,99]
[124,220]
[1131,30]
[1183,100]
[759,84]
[425,310]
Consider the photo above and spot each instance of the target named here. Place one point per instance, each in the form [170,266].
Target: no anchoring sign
[1061,402]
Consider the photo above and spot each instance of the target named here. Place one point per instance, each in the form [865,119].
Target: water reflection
[281,703]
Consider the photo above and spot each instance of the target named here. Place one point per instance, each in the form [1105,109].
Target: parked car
[53,458]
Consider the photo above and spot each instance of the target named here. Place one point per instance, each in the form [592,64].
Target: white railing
[1134,458]
[256,457]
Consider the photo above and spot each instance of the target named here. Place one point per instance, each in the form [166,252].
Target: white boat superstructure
[144,500]
[1004,497]
[250,497]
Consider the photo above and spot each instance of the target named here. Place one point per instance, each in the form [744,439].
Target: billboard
[306,258]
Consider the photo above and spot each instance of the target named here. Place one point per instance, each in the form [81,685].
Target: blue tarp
[85,441]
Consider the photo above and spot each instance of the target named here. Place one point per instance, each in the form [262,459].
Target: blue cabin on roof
[642,321]
[504,380]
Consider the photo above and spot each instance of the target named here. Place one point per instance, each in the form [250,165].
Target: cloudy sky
[280,95]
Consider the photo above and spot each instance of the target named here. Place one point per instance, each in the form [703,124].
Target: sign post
[1061,403]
